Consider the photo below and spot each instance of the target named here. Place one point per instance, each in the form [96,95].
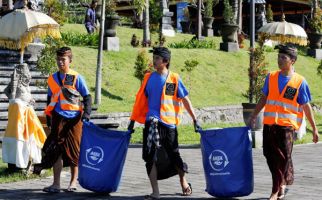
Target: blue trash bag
[102,157]
[227,161]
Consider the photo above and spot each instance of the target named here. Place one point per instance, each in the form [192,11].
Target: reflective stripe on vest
[281,108]
[284,105]
[171,106]
[58,95]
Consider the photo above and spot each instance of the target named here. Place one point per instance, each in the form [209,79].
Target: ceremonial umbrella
[21,26]
[283,32]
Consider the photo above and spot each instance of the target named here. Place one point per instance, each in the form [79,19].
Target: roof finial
[283,17]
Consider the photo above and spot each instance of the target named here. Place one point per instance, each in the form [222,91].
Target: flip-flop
[51,189]
[71,189]
[187,191]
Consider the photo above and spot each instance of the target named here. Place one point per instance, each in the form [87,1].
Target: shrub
[79,39]
[135,41]
[189,66]
[155,15]
[259,72]
[315,23]
[228,13]
[319,69]
[193,44]
[209,8]
[269,13]
[56,10]
[142,65]
[46,63]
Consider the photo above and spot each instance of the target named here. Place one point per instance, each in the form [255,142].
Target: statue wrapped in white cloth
[24,136]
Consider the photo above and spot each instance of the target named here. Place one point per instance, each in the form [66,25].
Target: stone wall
[216,114]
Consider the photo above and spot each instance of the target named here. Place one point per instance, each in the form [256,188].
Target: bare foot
[281,193]
[274,196]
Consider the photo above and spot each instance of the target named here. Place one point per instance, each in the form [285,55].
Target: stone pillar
[166,23]
[111,44]
[10,4]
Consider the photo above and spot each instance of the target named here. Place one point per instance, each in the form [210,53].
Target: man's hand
[196,125]
[85,117]
[131,126]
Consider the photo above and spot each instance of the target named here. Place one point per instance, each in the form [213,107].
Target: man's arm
[309,114]
[260,105]
[188,106]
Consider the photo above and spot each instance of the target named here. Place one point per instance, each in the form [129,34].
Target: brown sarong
[277,148]
[168,156]
[64,139]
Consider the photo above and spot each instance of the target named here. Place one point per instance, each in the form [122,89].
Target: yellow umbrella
[20,27]
[284,32]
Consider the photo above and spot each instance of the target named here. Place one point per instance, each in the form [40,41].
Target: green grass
[219,79]
[8,177]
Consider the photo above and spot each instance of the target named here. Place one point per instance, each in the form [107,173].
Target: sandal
[187,191]
[71,189]
[150,197]
[51,189]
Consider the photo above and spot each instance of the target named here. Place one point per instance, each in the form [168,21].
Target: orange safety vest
[171,105]
[57,94]
[283,109]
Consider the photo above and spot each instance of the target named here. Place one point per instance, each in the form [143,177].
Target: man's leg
[73,178]
[186,188]
[57,168]
[153,176]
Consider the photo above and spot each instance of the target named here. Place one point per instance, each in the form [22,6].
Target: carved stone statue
[18,88]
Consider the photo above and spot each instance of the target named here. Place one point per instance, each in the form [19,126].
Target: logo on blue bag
[94,155]
[218,160]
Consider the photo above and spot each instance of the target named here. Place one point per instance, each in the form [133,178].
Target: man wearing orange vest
[286,96]
[65,114]
[158,104]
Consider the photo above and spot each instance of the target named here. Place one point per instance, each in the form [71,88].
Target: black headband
[162,51]
[287,49]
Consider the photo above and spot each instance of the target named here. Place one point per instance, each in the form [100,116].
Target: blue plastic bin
[102,157]
[227,161]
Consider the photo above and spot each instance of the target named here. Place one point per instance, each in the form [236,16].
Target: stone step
[11,66]
[35,96]
[34,89]
[8,73]
[36,80]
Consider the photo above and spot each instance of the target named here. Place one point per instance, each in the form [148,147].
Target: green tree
[189,66]
[269,13]
[56,10]
[142,64]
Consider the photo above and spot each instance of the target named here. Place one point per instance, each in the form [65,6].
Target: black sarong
[64,139]
[168,159]
[277,148]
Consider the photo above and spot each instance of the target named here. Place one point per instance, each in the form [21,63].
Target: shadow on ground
[108,94]
[38,194]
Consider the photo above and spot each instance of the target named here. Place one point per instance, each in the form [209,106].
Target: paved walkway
[134,183]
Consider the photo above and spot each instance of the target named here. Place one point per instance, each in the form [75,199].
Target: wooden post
[98,84]
[252,49]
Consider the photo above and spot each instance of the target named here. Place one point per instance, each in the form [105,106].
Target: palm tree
[143,6]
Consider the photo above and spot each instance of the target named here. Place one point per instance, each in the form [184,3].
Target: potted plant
[315,29]
[111,19]
[208,18]
[257,76]
[229,28]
